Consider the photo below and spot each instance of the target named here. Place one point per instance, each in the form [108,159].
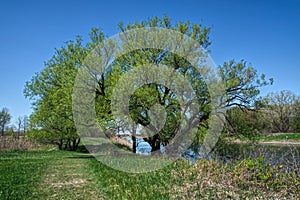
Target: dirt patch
[77,182]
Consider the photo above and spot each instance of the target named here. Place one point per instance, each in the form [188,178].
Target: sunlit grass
[280,137]
[72,175]
[20,172]
[121,185]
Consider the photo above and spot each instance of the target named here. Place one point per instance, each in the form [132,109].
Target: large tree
[5,118]
[51,89]
[154,94]
[242,83]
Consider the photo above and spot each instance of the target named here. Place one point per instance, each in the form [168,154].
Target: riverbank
[272,142]
[286,139]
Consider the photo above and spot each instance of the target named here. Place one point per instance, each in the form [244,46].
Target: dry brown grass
[245,180]
[11,143]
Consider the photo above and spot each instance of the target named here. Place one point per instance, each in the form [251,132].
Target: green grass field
[71,175]
[279,137]
[44,174]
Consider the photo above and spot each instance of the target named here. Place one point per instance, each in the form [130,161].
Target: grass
[280,137]
[245,179]
[67,177]
[45,175]
[71,175]
[20,172]
[122,185]
[48,174]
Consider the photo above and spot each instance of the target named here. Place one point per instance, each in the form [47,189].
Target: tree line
[19,128]
[277,112]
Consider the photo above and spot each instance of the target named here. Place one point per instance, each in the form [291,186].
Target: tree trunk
[75,144]
[67,145]
[154,142]
[60,144]
[155,146]
[134,145]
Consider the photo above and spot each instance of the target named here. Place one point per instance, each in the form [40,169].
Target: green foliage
[51,89]
[51,92]
[242,83]
[244,122]
[144,98]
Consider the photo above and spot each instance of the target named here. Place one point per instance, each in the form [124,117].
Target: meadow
[53,174]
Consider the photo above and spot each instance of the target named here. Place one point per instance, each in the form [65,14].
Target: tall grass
[246,179]
[12,143]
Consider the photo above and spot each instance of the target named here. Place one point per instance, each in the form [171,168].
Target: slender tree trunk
[134,145]
[2,132]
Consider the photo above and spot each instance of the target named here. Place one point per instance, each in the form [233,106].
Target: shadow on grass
[81,157]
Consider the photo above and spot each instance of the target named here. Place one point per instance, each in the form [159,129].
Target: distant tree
[295,123]
[19,126]
[281,108]
[10,130]
[5,118]
[22,124]
[25,122]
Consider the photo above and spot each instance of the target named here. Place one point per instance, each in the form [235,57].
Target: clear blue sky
[265,33]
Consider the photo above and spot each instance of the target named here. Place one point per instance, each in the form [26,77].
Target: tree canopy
[51,93]
[51,89]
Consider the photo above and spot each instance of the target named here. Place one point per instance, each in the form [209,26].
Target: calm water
[274,154]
